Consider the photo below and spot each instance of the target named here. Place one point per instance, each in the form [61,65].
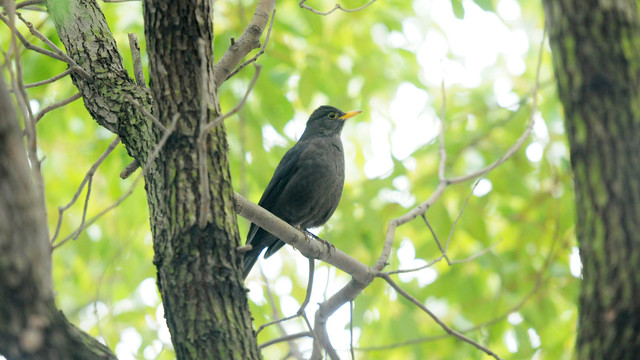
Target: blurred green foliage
[382,60]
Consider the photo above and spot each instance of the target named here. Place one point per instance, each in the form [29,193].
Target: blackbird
[306,187]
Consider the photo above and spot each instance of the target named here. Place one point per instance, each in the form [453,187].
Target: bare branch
[56,105]
[253,59]
[275,322]
[455,222]
[447,329]
[293,348]
[138,73]
[146,113]
[351,349]
[249,40]
[285,338]
[66,58]
[336,7]
[150,161]
[537,286]
[217,121]
[28,3]
[308,246]
[87,179]
[49,80]
[424,206]
[129,169]
[476,255]
[443,251]
[26,42]
[443,152]
[428,265]
[520,141]
[330,306]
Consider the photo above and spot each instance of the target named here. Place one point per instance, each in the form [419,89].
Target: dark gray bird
[306,187]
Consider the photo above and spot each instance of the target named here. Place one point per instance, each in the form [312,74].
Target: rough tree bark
[30,325]
[198,268]
[596,56]
[202,290]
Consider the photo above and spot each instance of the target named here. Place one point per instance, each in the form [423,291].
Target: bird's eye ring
[332,115]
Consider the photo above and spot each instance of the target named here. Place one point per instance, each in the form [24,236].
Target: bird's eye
[332,115]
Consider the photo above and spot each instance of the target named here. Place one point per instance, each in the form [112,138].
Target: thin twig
[303,306]
[455,222]
[353,355]
[28,3]
[443,251]
[66,58]
[87,179]
[520,141]
[447,329]
[217,121]
[476,255]
[336,7]
[49,80]
[145,112]
[28,45]
[293,348]
[274,322]
[536,287]
[301,311]
[138,73]
[148,164]
[428,265]
[443,152]
[253,59]
[439,258]
[285,338]
[56,105]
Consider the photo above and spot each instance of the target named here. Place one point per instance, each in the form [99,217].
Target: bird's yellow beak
[349,114]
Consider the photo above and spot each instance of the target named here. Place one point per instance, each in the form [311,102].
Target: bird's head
[327,121]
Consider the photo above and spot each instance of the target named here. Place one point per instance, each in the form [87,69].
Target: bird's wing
[281,177]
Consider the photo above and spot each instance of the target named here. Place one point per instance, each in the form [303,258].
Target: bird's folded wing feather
[283,174]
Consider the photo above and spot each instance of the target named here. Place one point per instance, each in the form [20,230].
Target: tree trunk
[198,268]
[202,290]
[596,57]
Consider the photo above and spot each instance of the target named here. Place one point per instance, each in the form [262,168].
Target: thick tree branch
[249,40]
[308,246]
[92,47]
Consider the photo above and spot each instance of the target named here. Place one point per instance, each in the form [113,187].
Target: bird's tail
[250,258]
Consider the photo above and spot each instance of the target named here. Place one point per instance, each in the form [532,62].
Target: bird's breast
[313,193]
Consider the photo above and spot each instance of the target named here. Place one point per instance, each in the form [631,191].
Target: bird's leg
[329,245]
